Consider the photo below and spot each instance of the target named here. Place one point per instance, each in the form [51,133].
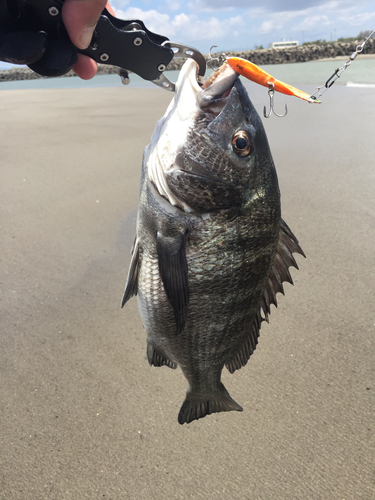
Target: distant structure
[283,45]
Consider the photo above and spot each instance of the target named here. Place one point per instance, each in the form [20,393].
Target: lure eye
[241,143]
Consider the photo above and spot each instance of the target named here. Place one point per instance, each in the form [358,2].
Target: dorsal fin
[287,245]
[131,287]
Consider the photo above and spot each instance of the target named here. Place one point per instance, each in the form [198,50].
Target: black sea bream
[211,250]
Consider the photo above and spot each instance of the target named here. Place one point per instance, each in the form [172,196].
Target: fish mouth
[217,86]
[191,102]
[211,96]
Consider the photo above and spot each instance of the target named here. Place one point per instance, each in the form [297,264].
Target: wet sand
[83,416]
[345,58]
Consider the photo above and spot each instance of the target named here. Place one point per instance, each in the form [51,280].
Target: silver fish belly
[211,250]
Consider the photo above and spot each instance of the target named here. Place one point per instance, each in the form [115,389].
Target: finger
[85,67]
[109,8]
[80,18]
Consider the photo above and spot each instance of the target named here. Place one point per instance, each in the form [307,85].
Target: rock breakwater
[302,53]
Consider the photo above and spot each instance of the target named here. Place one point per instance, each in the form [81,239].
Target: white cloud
[202,23]
[173,5]
[199,6]
[277,21]
[268,5]
[119,4]
[267,27]
[183,27]
[364,20]
[236,21]
[311,22]
[154,21]
[181,20]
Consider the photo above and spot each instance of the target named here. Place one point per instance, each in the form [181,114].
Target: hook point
[271,91]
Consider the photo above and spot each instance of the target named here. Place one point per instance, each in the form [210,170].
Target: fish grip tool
[126,44]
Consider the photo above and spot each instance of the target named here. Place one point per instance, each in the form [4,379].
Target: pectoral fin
[287,245]
[174,274]
[131,287]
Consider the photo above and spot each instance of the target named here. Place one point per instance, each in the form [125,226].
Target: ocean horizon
[360,73]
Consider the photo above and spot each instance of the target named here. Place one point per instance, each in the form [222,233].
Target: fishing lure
[254,73]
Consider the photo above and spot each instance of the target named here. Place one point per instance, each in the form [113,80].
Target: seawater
[360,73]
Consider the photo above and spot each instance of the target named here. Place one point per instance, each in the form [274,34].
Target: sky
[244,25]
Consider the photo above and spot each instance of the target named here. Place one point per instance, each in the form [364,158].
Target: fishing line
[339,71]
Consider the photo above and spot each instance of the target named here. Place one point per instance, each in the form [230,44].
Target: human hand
[80,18]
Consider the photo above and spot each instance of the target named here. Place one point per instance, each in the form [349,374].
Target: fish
[256,74]
[211,249]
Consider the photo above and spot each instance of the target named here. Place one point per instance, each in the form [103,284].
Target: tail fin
[196,406]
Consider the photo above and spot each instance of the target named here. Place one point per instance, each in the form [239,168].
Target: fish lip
[225,72]
[216,88]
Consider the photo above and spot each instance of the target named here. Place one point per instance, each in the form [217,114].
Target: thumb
[80,18]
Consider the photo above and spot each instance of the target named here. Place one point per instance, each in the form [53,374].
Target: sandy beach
[345,58]
[83,415]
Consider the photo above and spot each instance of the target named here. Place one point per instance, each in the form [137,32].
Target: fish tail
[198,406]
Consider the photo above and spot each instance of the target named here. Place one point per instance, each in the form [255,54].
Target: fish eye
[241,143]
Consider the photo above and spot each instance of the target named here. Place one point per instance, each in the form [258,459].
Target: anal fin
[155,358]
[243,354]
[196,406]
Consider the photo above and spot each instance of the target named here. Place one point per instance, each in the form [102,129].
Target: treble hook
[221,59]
[271,92]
